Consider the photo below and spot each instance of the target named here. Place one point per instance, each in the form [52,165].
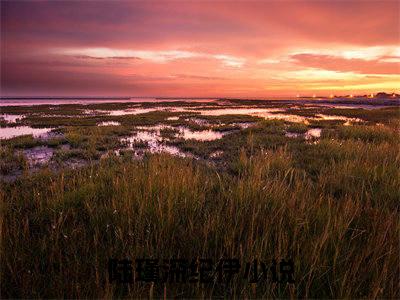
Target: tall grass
[337,220]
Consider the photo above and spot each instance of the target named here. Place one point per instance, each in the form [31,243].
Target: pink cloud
[341,64]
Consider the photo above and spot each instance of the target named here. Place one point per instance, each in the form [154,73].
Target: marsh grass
[332,206]
[382,115]
[226,127]
[297,128]
[169,133]
[11,161]
[68,225]
[369,134]
[325,123]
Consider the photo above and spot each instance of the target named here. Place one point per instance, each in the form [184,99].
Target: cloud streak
[162,56]
[380,65]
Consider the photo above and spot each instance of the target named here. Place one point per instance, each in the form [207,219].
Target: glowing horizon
[199,49]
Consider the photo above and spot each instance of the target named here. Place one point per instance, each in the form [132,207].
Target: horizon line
[197,97]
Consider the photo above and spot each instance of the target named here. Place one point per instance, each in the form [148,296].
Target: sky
[199,48]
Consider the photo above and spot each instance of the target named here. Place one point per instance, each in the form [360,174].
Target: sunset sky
[199,48]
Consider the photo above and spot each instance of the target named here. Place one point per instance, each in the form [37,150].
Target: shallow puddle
[38,155]
[150,138]
[244,125]
[154,132]
[203,135]
[238,111]
[293,135]
[109,123]
[11,118]
[154,144]
[340,118]
[354,106]
[313,133]
[198,121]
[266,113]
[10,132]
[285,117]
[129,111]
[216,154]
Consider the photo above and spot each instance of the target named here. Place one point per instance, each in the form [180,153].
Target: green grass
[372,134]
[297,128]
[168,133]
[11,161]
[383,115]
[226,127]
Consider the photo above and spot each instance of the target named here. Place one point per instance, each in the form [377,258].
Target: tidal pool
[203,135]
[313,133]
[341,118]
[109,123]
[150,138]
[10,132]
[11,118]
[207,110]
[153,143]
[38,155]
[181,132]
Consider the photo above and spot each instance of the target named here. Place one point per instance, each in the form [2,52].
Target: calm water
[156,143]
[11,118]
[10,132]
[266,113]
[109,123]
[59,101]
[224,108]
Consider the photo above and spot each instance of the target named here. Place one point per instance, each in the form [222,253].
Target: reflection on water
[129,111]
[180,132]
[198,121]
[11,118]
[10,132]
[216,154]
[353,106]
[109,123]
[151,139]
[293,134]
[314,133]
[262,112]
[290,118]
[140,110]
[340,118]
[153,143]
[203,135]
[187,134]
[266,113]
[245,125]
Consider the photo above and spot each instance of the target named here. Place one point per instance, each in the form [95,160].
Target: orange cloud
[341,64]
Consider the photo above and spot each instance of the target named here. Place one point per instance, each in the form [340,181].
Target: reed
[338,220]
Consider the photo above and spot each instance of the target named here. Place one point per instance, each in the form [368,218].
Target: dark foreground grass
[332,207]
